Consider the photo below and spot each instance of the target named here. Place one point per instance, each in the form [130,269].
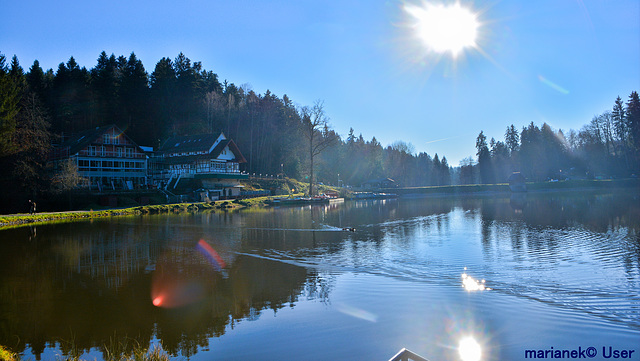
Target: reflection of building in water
[112,254]
[112,260]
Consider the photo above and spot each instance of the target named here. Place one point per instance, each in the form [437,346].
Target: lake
[505,277]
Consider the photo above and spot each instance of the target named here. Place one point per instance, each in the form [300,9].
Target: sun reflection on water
[470,284]
[469,349]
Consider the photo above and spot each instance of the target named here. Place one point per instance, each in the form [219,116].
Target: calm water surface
[560,270]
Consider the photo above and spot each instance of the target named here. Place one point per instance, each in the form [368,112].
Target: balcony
[201,174]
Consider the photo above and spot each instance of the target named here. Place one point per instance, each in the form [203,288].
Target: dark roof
[198,143]
[79,141]
[189,143]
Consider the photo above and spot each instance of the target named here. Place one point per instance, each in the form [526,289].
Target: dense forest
[608,146]
[179,97]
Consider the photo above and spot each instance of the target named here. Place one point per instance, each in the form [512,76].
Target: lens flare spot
[157,301]
[357,313]
[469,349]
[211,254]
[552,85]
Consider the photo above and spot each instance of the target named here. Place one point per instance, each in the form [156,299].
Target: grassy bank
[138,354]
[22,219]
[7,355]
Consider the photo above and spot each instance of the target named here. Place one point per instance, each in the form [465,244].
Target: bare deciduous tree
[67,177]
[315,127]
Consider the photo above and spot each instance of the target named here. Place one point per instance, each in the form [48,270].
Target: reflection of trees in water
[599,212]
[57,290]
[85,283]
[253,285]
[578,250]
[533,217]
[318,286]
[44,301]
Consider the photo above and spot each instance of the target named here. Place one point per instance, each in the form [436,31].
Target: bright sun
[444,28]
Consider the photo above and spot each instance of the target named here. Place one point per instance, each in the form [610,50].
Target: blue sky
[554,61]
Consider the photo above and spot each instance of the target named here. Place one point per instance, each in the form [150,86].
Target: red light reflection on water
[181,281]
[157,301]
[169,289]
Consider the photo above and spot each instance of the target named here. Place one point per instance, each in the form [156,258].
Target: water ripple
[573,268]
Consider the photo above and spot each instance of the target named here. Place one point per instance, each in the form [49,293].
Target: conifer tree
[484,159]
[10,96]
[619,120]
[633,124]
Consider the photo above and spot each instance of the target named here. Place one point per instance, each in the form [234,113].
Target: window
[103,151]
[116,140]
[119,152]
[83,165]
[92,150]
[106,138]
[217,166]
[128,152]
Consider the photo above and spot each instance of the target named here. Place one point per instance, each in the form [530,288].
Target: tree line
[608,146]
[179,97]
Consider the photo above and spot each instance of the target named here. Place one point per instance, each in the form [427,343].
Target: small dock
[305,201]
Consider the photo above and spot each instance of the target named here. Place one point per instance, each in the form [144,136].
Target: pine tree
[512,139]
[71,98]
[163,83]
[33,142]
[619,120]
[445,172]
[633,124]
[105,81]
[484,159]
[10,96]
[36,80]
[134,96]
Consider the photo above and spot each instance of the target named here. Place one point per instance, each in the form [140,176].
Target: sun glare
[469,349]
[444,28]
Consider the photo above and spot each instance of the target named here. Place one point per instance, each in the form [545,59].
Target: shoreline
[23,219]
[503,188]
